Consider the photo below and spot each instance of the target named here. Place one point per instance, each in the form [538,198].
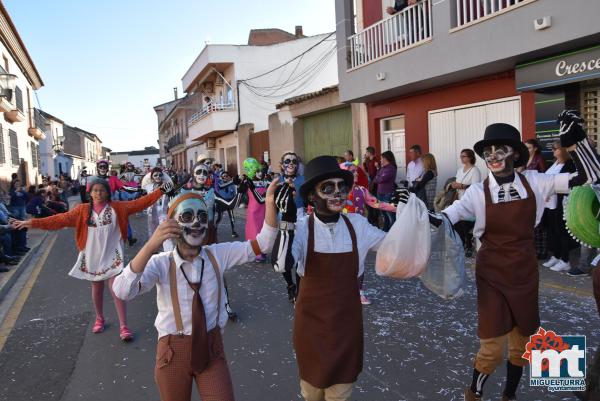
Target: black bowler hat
[321,168]
[503,134]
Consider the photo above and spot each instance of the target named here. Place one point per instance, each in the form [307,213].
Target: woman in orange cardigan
[100,227]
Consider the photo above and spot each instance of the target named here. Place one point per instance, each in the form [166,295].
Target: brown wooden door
[259,144]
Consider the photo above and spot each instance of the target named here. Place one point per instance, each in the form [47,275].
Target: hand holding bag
[445,273]
[405,249]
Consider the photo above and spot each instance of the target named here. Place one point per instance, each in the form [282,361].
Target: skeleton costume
[226,198]
[157,213]
[330,249]
[256,188]
[506,207]
[290,207]
[191,302]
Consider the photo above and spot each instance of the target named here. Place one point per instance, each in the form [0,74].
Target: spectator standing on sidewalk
[426,186]
[466,175]
[414,170]
[371,165]
[560,242]
[386,185]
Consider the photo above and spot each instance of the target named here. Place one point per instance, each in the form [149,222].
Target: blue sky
[105,64]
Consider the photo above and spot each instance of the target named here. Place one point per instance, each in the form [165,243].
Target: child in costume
[256,187]
[507,206]
[190,300]
[100,227]
[330,249]
[290,208]
[157,213]
[358,200]
[226,197]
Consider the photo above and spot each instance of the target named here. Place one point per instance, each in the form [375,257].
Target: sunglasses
[332,187]
[188,216]
[290,161]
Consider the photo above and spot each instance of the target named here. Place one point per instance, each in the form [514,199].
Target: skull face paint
[193,217]
[499,159]
[201,174]
[102,168]
[330,195]
[157,177]
[289,164]
[129,166]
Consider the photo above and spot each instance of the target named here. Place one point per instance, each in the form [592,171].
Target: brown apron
[506,267]
[328,328]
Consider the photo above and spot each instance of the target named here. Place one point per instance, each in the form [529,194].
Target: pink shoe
[125,334]
[98,325]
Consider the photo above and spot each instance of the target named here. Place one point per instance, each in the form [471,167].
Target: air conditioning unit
[211,143]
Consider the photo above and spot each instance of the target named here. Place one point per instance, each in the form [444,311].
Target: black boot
[479,380]
[513,377]
[291,290]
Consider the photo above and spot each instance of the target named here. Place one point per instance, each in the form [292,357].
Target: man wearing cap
[330,250]
[191,294]
[506,207]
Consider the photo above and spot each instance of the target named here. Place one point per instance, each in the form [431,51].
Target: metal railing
[468,11]
[210,108]
[391,35]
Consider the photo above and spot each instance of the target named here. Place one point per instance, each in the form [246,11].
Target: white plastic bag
[445,273]
[405,249]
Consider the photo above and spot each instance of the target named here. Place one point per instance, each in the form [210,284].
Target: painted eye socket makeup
[188,216]
[497,153]
[201,172]
[290,161]
[332,187]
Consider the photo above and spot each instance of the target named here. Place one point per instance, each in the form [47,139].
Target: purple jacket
[386,179]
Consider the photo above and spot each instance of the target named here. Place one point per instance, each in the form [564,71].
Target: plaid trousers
[174,376]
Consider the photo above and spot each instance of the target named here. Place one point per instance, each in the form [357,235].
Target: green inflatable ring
[581,215]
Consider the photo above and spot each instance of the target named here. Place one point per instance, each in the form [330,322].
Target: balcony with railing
[472,11]
[405,29]
[16,114]
[213,119]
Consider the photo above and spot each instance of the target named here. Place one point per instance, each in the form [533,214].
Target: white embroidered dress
[102,257]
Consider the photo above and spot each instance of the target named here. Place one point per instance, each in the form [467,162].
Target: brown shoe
[470,395]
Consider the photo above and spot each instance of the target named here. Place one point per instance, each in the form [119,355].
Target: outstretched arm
[56,222]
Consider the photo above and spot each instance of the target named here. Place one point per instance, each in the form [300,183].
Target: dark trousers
[559,241]
[83,194]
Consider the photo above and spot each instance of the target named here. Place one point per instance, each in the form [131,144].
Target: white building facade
[232,89]
[19,135]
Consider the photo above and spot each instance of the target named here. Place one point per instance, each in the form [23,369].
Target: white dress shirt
[551,202]
[472,204]
[469,177]
[414,171]
[335,238]
[129,284]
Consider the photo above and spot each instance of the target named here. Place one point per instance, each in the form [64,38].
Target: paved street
[417,347]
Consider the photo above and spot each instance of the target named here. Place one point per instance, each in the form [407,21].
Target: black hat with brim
[322,168]
[503,134]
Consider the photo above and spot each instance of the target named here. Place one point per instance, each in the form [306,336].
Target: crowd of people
[318,222]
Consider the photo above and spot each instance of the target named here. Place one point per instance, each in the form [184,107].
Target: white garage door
[451,130]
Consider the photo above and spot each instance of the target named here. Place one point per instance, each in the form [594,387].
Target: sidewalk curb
[18,269]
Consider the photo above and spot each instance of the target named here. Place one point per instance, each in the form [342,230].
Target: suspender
[175,296]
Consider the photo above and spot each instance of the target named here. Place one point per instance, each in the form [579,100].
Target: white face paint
[193,219]
[157,177]
[201,174]
[102,169]
[290,164]
[259,175]
[331,194]
[498,158]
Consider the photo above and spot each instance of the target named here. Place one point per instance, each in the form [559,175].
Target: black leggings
[231,218]
[559,242]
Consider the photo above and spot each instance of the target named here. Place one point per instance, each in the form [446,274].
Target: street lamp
[7,85]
